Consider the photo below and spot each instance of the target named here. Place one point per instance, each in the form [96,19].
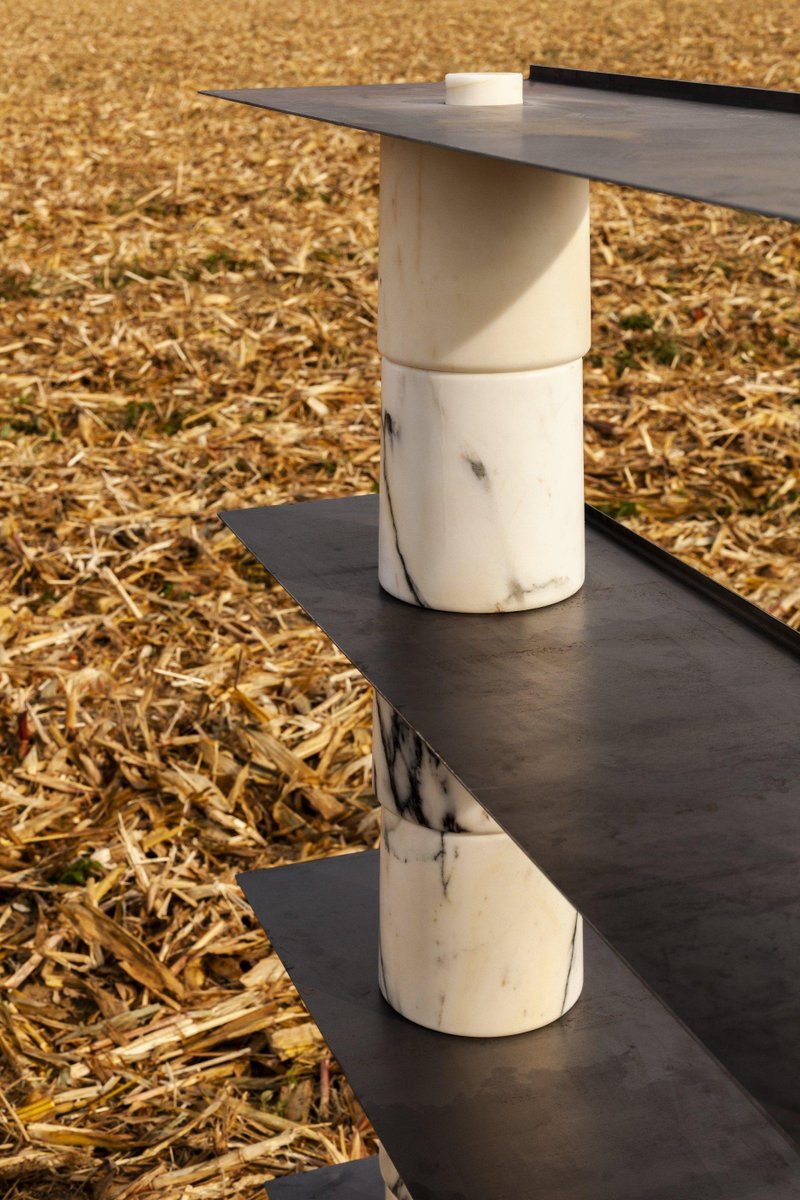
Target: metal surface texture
[737,147]
[616,1101]
[359,1180]
[640,741]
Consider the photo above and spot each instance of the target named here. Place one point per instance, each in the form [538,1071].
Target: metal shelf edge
[692,91]
[724,597]
[359,1180]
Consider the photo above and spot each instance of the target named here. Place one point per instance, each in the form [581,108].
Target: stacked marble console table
[638,741]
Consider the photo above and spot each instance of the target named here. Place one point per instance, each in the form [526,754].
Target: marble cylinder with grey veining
[481,493]
[413,782]
[483,264]
[474,939]
[483,320]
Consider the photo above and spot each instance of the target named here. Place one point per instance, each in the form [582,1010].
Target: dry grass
[187,310]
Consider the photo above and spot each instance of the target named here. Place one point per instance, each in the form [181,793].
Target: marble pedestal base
[481,495]
[474,939]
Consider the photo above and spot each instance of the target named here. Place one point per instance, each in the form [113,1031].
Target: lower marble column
[481,494]
[474,939]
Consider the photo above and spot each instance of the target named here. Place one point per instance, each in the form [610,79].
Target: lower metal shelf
[616,1101]
[348,1181]
[640,741]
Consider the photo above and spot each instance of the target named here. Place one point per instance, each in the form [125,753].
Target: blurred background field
[187,324]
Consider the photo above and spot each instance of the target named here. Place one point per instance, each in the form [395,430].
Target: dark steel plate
[616,1101]
[728,146]
[348,1181]
[640,741]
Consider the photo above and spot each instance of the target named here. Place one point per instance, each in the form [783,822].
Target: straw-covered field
[187,320]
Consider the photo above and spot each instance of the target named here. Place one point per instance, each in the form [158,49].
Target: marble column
[474,939]
[483,264]
[483,321]
[481,492]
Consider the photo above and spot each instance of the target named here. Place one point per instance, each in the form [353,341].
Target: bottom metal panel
[616,1101]
[347,1181]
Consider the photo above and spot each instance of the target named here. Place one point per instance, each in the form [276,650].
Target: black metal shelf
[640,741]
[723,145]
[616,1101]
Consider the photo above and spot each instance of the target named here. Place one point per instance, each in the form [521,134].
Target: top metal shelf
[732,146]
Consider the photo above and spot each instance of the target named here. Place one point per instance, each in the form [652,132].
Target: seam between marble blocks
[553,366]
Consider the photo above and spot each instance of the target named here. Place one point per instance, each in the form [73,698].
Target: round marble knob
[483,87]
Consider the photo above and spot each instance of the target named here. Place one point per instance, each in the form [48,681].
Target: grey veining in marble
[481,497]
[413,782]
[395,1188]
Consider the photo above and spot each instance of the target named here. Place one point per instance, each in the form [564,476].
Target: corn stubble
[187,323]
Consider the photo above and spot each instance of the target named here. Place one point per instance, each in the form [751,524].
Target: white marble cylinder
[474,939]
[483,88]
[484,264]
[395,1189]
[481,496]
